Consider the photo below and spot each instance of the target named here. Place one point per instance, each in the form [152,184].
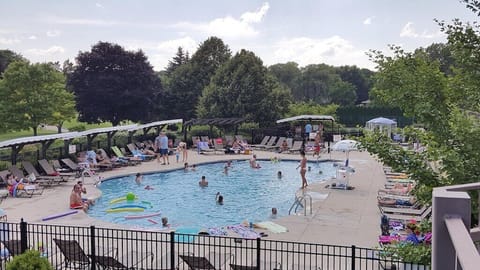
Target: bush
[79,127]
[30,260]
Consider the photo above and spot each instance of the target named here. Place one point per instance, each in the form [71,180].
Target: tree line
[109,83]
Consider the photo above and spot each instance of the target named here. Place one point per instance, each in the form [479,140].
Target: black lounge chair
[14,247]
[202,263]
[110,262]
[74,254]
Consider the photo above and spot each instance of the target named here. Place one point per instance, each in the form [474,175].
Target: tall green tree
[112,84]
[187,82]
[362,79]
[287,74]
[33,95]
[179,59]
[7,57]
[243,88]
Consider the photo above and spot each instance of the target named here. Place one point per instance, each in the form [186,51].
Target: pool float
[143,216]
[130,197]
[129,206]
[131,209]
[152,221]
[60,215]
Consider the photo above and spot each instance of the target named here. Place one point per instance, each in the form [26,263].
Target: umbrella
[345,146]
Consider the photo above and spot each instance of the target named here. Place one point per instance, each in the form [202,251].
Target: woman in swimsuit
[303,169]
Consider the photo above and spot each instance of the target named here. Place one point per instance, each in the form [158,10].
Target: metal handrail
[298,202]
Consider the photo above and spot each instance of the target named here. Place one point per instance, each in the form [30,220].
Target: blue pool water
[249,194]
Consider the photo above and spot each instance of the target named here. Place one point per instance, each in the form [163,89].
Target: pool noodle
[143,216]
[117,200]
[129,206]
[152,221]
[125,210]
[59,215]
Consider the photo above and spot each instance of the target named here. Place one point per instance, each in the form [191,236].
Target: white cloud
[46,52]
[334,51]
[84,22]
[409,31]
[159,53]
[9,41]
[32,37]
[53,33]
[257,16]
[98,5]
[228,26]
[368,20]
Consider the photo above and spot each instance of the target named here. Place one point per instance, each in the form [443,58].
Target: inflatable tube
[60,215]
[143,216]
[129,206]
[152,221]
[131,209]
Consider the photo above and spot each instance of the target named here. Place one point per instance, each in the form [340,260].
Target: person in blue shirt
[308,130]
[412,236]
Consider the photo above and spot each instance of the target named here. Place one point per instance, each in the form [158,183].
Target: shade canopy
[382,121]
[307,117]
[382,124]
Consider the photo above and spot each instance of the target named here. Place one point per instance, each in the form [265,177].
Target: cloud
[334,51]
[228,26]
[32,37]
[257,16]
[409,31]
[98,5]
[9,41]
[53,33]
[368,20]
[46,52]
[159,53]
[84,22]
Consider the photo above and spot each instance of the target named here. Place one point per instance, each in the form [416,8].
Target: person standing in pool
[138,178]
[219,198]
[303,169]
[203,182]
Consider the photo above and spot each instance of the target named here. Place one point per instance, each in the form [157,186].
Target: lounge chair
[74,255]
[270,142]
[201,263]
[204,148]
[409,217]
[111,162]
[296,147]
[27,190]
[110,262]
[218,145]
[262,143]
[41,179]
[14,247]
[137,152]
[130,160]
[402,210]
[50,170]
[83,168]
[277,145]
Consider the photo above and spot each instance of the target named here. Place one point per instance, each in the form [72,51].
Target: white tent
[381,123]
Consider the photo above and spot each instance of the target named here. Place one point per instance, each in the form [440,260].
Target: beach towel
[272,226]
[244,232]
[217,231]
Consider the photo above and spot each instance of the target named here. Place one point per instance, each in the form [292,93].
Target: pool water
[249,194]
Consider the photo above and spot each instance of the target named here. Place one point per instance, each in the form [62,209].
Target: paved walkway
[345,217]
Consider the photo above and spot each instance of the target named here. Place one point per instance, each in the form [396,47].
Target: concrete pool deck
[345,217]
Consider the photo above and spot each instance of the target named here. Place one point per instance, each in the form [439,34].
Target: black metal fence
[70,247]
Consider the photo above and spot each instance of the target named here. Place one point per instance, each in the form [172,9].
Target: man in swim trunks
[76,199]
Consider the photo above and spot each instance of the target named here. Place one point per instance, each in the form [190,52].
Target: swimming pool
[249,194]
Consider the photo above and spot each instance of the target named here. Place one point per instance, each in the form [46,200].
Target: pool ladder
[301,201]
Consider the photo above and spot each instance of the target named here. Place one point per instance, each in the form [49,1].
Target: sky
[278,31]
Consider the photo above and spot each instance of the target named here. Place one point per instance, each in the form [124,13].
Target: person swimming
[279,174]
[219,198]
[138,178]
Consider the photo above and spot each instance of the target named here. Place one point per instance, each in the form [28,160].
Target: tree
[179,59]
[112,84]
[439,52]
[187,81]
[243,88]
[287,74]
[360,78]
[33,95]
[7,57]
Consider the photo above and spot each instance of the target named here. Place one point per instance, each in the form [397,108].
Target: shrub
[30,260]
[79,127]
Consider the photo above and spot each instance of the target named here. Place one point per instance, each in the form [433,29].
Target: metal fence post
[353,257]
[172,250]
[23,236]
[92,247]
[258,253]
